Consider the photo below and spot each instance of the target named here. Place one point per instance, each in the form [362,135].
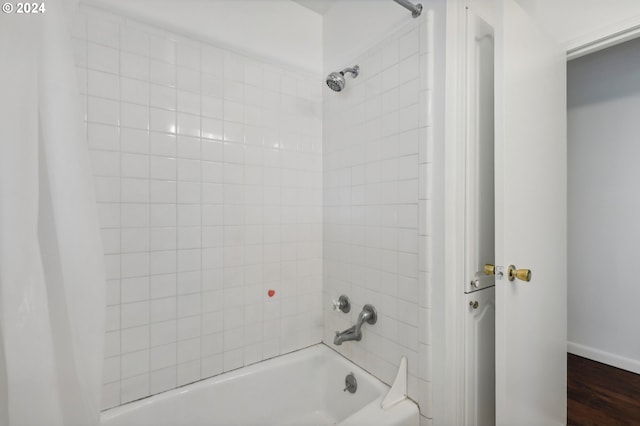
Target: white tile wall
[377,180]
[208,171]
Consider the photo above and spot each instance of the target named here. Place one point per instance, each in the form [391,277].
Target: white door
[479,324]
[531,229]
[479,389]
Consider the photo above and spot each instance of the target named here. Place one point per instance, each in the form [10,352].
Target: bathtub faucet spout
[354,332]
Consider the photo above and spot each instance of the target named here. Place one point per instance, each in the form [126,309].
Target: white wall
[604,205]
[208,171]
[378,184]
[350,27]
[278,30]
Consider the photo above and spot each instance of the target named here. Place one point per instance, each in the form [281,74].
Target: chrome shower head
[336,80]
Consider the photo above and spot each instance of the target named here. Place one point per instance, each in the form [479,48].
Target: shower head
[336,80]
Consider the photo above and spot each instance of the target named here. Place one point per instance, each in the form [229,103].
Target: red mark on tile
[271,293]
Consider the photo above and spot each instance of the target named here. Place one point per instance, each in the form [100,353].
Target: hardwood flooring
[601,395]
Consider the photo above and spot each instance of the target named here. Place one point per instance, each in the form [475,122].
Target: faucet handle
[369,314]
[343,304]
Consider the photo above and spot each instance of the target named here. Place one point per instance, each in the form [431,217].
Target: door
[531,229]
[479,390]
[479,323]
[479,152]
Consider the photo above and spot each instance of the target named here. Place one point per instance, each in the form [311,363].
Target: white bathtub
[300,388]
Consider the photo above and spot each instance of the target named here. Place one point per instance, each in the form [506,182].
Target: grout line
[149,209]
[202,266]
[119,209]
[223,162]
[176,220]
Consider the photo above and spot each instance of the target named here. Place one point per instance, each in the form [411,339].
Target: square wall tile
[208,175]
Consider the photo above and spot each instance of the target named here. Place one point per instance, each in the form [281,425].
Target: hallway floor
[598,394]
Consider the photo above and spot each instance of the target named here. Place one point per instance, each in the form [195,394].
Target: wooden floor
[598,394]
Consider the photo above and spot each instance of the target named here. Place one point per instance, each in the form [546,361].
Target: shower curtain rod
[415,9]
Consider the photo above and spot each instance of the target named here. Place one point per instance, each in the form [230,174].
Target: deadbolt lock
[474,304]
[489,269]
[521,274]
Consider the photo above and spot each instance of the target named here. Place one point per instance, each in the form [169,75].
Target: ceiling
[276,30]
[318,6]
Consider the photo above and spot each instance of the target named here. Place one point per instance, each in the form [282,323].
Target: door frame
[448,317]
[597,40]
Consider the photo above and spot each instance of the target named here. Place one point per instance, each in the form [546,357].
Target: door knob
[489,269]
[521,274]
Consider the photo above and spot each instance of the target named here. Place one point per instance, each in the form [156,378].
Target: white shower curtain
[51,269]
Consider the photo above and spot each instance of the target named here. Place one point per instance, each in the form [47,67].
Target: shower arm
[415,9]
[353,70]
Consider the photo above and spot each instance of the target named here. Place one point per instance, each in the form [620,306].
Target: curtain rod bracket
[415,9]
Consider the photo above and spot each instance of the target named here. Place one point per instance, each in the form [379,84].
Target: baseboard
[608,358]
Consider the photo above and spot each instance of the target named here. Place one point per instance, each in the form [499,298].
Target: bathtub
[301,388]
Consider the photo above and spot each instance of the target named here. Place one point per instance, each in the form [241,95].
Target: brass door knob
[521,274]
[489,269]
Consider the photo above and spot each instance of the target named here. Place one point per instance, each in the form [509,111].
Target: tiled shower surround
[377,208]
[221,177]
[208,171]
